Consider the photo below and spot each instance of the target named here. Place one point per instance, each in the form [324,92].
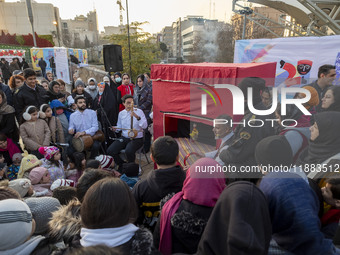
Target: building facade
[81,32]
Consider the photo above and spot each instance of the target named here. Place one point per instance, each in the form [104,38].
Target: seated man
[128,117]
[84,122]
[223,133]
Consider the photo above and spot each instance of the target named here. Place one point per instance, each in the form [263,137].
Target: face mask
[118,79]
[100,93]
[92,87]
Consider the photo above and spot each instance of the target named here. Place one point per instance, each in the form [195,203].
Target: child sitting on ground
[28,162]
[331,196]
[40,179]
[13,169]
[130,174]
[76,166]
[52,162]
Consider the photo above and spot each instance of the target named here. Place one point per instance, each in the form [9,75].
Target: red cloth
[333,215]
[195,189]
[172,92]
[124,90]
[11,148]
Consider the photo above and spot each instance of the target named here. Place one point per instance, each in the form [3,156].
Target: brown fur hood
[65,222]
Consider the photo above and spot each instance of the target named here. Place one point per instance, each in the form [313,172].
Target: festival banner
[62,68]
[298,58]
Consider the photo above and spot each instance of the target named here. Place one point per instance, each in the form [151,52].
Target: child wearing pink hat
[40,179]
[52,162]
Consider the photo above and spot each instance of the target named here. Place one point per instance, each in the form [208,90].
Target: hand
[185,168]
[113,128]
[79,134]
[134,115]
[71,131]
[62,99]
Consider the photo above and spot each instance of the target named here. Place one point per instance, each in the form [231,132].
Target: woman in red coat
[125,88]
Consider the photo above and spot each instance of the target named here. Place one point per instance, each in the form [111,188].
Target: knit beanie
[37,174]
[314,97]
[105,160]
[64,194]
[48,151]
[42,209]
[274,151]
[15,224]
[21,185]
[28,162]
[131,169]
[16,156]
[79,83]
[62,182]
[7,193]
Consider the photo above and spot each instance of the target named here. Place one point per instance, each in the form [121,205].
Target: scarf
[5,108]
[11,148]
[25,248]
[111,237]
[193,186]
[327,144]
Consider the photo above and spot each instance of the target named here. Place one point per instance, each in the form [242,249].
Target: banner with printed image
[298,58]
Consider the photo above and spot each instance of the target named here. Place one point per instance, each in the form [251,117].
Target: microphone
[116,139]
[63,144]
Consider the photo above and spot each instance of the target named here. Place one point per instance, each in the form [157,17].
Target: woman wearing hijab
[92,87]
[239,223]
[7,118]
[106,100]
[142,97]
[324,143]
[331,100]
[293,208]
[185,215]
[54,91]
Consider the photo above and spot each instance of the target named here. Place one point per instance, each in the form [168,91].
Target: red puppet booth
[179,91]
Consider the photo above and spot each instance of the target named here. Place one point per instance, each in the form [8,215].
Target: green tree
[144,49]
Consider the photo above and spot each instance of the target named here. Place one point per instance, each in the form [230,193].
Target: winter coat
[89,100]
[42,64]
[56,130]
[187,226]
[35,134]
[6,74]
[143,99]
[25,96]
[149,192]
[13,66]
[65,222]
[7,90]
[140,243]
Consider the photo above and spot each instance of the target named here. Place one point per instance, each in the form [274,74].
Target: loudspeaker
[113,59]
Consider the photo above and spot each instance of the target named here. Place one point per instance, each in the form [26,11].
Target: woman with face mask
[92,87]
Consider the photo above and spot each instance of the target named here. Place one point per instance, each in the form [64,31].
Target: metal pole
[128,27]
[244,26]
[30,17]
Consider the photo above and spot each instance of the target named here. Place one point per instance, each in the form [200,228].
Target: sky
[159,13]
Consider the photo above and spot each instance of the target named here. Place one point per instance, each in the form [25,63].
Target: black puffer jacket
[149,192]
[25,96]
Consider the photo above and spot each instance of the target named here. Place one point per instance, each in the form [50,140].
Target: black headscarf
[336,105]
[239,224]
[327,144]
[274,151]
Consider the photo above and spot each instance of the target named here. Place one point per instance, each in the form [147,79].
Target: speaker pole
[128,28]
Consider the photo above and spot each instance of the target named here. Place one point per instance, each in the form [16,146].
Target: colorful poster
[62,68]
[298,58]
[36,55]
[9,54]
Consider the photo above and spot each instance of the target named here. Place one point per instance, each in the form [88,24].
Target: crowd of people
[70,184]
